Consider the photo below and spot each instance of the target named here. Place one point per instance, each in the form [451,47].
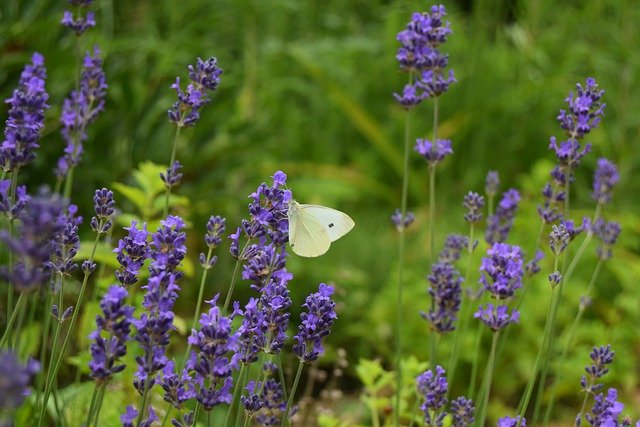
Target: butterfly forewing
[307,236]
[336,223]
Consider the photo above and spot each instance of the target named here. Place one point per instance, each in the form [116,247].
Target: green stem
[22,300]
[582,408]
[236,394]
[11,288]
[143,402]
[173,158]
[209,419]
[476,361]
[92,405]
[241,384]
[488,378]
[44,340]
[285,416]
[234,278]
[96,417]
[433,349]
[432,187]
[565,350]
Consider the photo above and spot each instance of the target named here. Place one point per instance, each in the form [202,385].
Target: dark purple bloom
[84,19]
[512,422]
[275,302]
[26,117]
[216,227]
[606,410]
[558,238]
[499,224]
[604,179]
[168,246]
[574,230]
[502,270]
[584,109]
[132,251]
[532,267]
[433,388]
[252,402]
[128,419]
[41,222]
[315,324]
[10,205]
[66,244]
[177,388]
[491,184]
[608,233]
[115,322]
[555,278]
[80,109]
[462,412]
[261,267]
[213,365]
[474,203]
[399,222]
[265,402]
[104,206]
[496,317]
[434,153]
[445,290]
[14,380]
[172,176]
[601,357]
[410,97]
[251,333]
[204,76]
[453,246]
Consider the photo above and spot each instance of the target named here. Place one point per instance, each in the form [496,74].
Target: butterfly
[312,228]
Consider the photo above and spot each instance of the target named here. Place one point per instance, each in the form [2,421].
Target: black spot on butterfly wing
[331,225]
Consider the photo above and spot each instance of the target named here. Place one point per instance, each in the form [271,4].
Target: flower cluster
[491,183]
[607,232]
[433,387]
[115,323]
[502,272]
[83,21]
[80,109]
[178,388]
[419,54]
[474,203]
[499,224]
[400,222]
[265,402]
[512,422]
[132,251]
[204,76]
[172,176]
[445,290]
[453,246]
[14,380]
[65,244]
[216,227]
[26,117]
[315,324]
[601,357]
[434,153]
[605,178]
[104,207]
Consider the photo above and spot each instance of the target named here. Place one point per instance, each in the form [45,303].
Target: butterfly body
[312,228]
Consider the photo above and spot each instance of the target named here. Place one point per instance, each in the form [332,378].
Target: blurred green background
[307,89]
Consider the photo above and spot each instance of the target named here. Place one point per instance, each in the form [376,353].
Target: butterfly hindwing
[336,223]
[307,236]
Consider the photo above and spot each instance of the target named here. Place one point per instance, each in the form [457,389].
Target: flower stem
[234,278]
[92,405]
[173,158]
[476,361]
[143,401]
[236,394]
[488,378]
[22,301]
[241,384]
[285,416]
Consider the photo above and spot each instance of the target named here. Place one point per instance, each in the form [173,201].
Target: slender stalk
[22,301]
[31,316]
[565,350]
[44,340]
[96,417]
[281,376]
[241,384]
[401,227]
[209,424]
[582,409]
[433,349]
[236,394]
[234,278]
[173,158]
[476,361]
[285,416]
[143,402]
[432,187]
[488,379]
[11,288]
[92,405]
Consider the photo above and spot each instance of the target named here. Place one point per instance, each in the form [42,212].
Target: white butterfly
[312,228]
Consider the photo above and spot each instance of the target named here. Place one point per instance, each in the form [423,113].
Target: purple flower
[104,206]
[14,380]
[132,251]
[40,225]
[558,238]
[453,246]
[315,324]
[492,182]
[83,22]
[275,302]
[204,76]
[434,153]
[474,203]
[172,176]
[410,97]
[8,205]
[116,323]
[462,412]
[80,109]
[265,402]
[499,224]
[532,267]
[496,317]
[261,267]
[128,419]
[584,109]
[445,290]
[512,422]
[213,365]
[216,227]
[399,222]
[606,410]
[177,388]
[66,244]
[608,233]
[168,246]
[604,179]
[251,333]
[26,117]
[502,270]
[601,357]
[433,388]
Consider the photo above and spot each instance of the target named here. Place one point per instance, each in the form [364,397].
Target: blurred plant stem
[285,416]
[176,139]
[488,378]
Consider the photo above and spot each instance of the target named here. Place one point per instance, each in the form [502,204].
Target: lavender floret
[604,179]
[14,380]
[433,388]
[315,324]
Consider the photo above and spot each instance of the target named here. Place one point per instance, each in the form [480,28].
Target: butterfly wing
[336,223]
[307,236]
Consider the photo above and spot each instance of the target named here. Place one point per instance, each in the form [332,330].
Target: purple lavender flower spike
[453,246]
[397,220]
[604,179]
[499,224]
[533,266]
[25,117]
[41,224]
[434,153]
[80,109]
[276,302]
[251,333]
[474,203]
[215,360]
[172,176]
[14,380]
[84,19]
[462,412]
[132,251]
[115,321]
[10,207]
[492,182]
[512,422]
[606,410]
[216,226]
[265,402]
[315,324]
[177,388]
[433,388]
[502,270]
[66,244]
[601,357]
[496,317]
[104,207]
[558,238]
[445,290]
[608,233]
[128,419]
[584,109]
[204,76]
